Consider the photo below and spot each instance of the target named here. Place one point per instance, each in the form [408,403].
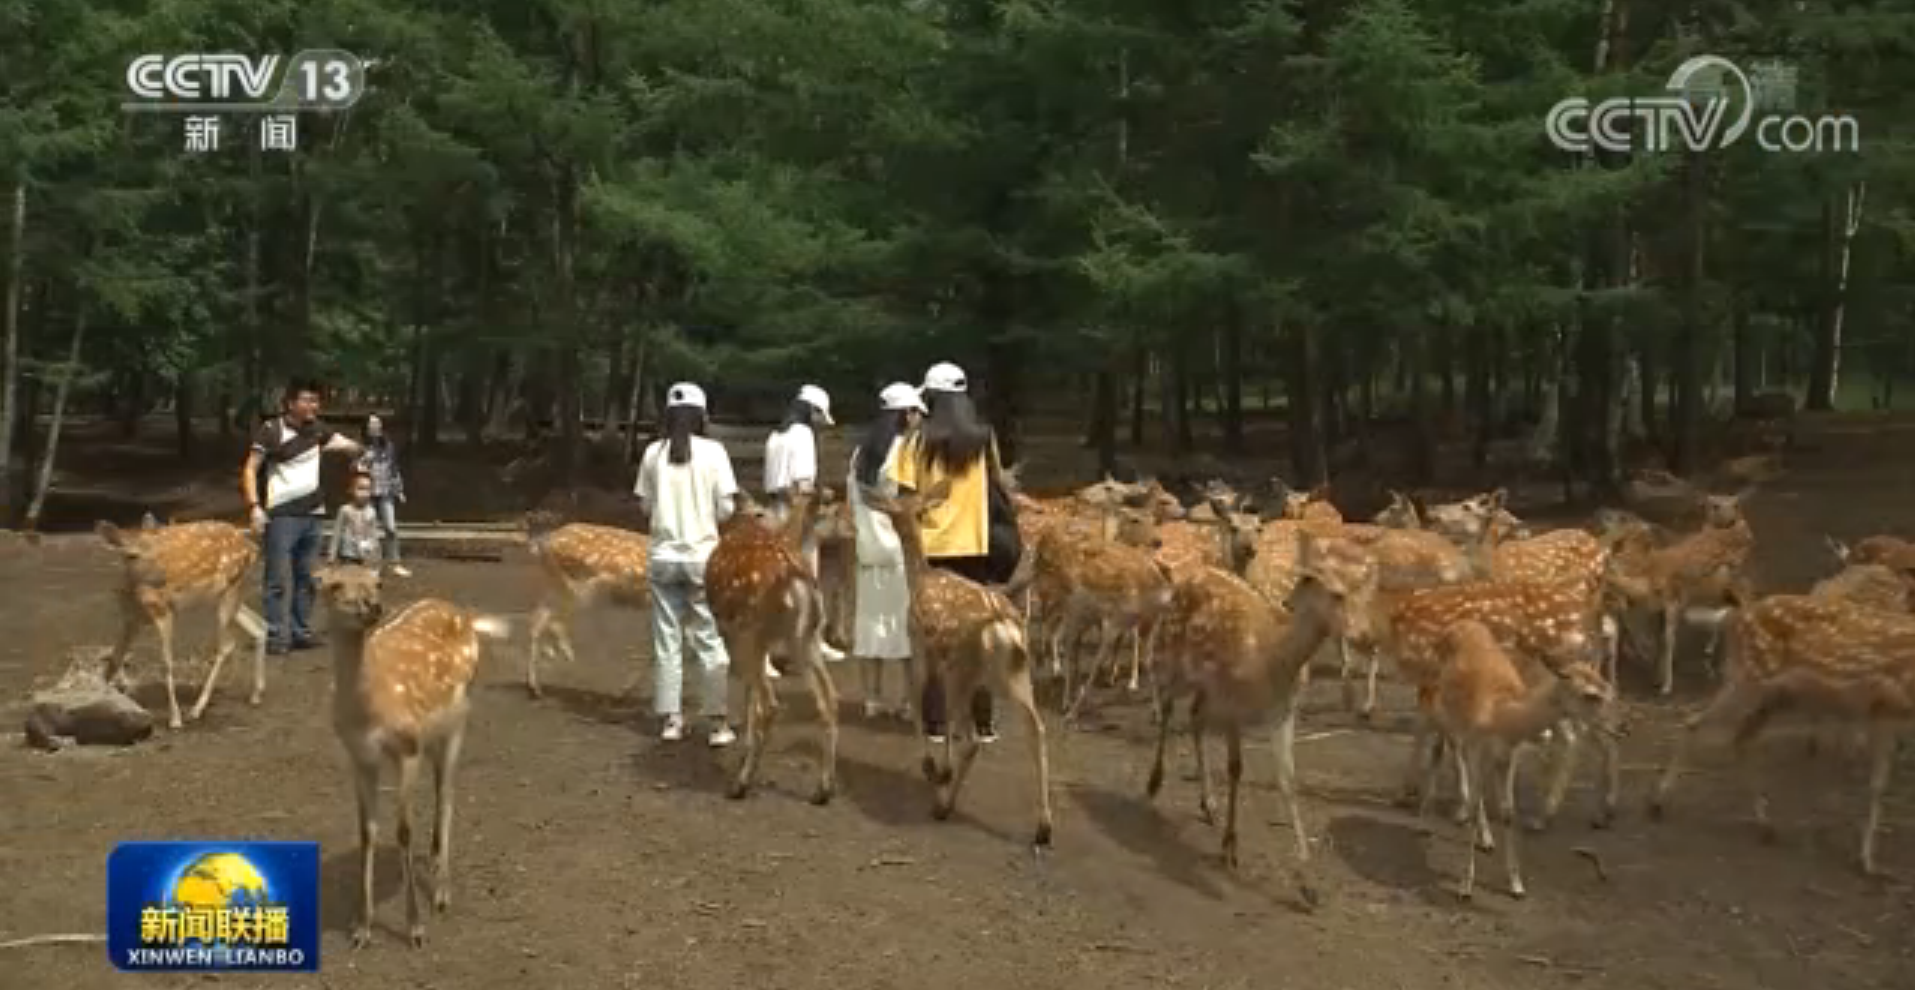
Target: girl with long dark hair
[881,629]
[686,488]
[954,443]
[791,456]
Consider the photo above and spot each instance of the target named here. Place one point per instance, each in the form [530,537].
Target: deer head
[1133,527]
[1584,695]
[1470,518]
[1401,513]
[1161,503]
[1237,530]
[352,593]
[1723,511]
[1335,581]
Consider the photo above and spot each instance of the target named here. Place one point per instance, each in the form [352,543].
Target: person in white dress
[880,634]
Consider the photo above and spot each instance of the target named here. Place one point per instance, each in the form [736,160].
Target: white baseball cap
[900,395]
[944,377]
[819,400]
[685,394]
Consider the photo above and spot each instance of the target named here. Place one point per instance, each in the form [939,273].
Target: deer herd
[1509,637]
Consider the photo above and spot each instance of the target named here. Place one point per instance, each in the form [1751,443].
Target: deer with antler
[767,602]
[1487,712]
[401,692]
[1818,656]
[171,567]
[1692,573]
[969,636]
[1240,659]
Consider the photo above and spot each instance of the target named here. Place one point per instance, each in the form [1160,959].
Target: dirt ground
[592,855]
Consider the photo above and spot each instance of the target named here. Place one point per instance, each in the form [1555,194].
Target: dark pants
[291,544]
[932,704]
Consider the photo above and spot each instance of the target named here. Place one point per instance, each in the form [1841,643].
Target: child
[355,530]
[381,462]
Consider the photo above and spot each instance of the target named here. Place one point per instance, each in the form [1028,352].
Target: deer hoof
[822,796]
[930,768]
[941,810]
[1517,892]
[361,935]
[417,936]
[535,691]
[1604,818]
[442,900]
[1042,839]
[737,790]
[1312,898]
[1155,783]
[255,699]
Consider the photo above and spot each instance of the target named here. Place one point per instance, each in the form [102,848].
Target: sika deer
[170,567]
[581,564]
[1487,712]
[1818,656]
[1400,514]
[400,691]
[768,603]
[1691,572]
[969,636]
[1240,659]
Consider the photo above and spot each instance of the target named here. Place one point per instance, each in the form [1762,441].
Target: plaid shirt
[382,462]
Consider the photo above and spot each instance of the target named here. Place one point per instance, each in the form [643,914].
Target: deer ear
[1498,497]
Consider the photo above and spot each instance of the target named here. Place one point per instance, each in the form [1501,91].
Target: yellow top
[961,526]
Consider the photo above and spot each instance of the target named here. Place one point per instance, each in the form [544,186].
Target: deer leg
[228,612]
[1671,626]
[1566,747]
[825,693]
[1732,705]
[1427,796]
[751,664]
[1465,757]
[1156,782]
[1881,763]
[1137,656]
[408,774]
[1108,641]
[966,757]
[1017,685]
[1206,804]
[366,785]
[129,629]
[1512,855]
[1751,727]
[445,762]
[928,708]
[1371,662]
[541,621]
[1233,743]
[163,622]
[1419,757]
[256,628]
[1286,746]
[1344,672]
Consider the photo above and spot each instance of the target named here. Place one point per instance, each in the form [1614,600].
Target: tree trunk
[1422,459]
[10,350]
[1477,391]
[635,400]
[1139,381]
[1686,420]
[59,417]
[1746,359]
[1825,372]
[1232,371]
[570,370]
[183,415]
[1307,458]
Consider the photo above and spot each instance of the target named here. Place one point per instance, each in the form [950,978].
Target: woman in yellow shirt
[960,535]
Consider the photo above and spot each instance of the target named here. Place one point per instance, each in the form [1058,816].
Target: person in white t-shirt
[686,488]
[791,455]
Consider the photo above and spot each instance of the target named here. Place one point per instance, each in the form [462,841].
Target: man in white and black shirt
[283,467]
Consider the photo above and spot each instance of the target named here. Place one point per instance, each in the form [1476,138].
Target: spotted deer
[1547,626]
[1401,513]
[1049,570]
[1312,506]
[1816,656]
[1888,551]
[1870,586]
[767,602]
[970,637]
[1689,575]
[1240,659]
[170,567]
[580,565]
[1467,520]
[1488,712]
[401,691]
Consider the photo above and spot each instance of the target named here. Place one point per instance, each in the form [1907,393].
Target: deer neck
[1526,717]
[348,651]
[916,565]
[1302,636]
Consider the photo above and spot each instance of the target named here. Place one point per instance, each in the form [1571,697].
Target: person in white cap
[880,633]
[791,456]
[380,461]
[955,443]
[686,487]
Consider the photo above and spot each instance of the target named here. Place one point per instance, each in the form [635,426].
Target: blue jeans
[388,510]
[681,616]
[291,544]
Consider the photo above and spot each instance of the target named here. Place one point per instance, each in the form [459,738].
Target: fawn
[1240,658]
[173,566]
[1819,656]
[1487,712]
[1690,572]
[400,691]
[970,636]
[767,602]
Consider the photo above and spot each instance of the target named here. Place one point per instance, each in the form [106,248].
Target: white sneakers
[719,737]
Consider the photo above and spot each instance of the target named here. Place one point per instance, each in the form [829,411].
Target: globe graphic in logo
[221,880]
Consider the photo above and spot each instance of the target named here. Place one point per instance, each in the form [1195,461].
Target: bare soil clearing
[591,855]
